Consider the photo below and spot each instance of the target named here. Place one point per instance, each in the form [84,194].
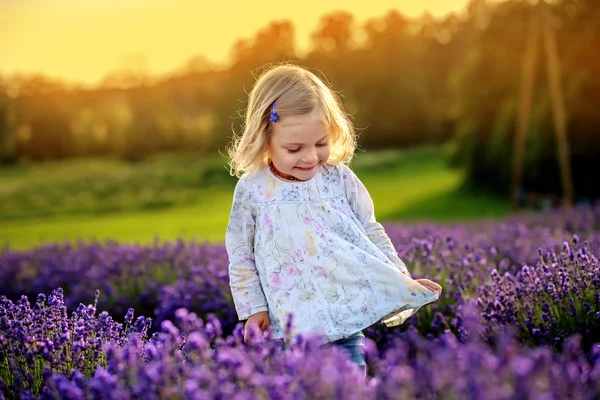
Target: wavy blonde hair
[297,92]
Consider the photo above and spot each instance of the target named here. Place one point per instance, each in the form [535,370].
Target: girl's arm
[362,205]
[246,289]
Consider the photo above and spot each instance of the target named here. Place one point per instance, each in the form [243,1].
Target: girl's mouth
[307,169]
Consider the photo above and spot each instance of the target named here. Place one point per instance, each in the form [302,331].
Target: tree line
[404,81]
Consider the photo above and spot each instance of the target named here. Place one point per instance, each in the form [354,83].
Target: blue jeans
[355,347]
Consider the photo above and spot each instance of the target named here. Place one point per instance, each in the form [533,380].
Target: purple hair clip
[274,116]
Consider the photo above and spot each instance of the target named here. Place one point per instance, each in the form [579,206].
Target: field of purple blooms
[519,318]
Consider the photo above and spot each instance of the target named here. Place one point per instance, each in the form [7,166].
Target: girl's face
[299,145]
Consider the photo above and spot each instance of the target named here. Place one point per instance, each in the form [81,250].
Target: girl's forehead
[299,130]
[314,117]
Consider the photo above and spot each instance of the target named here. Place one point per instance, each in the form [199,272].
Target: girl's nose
[310,158]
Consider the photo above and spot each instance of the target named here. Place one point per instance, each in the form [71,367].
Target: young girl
[302,237]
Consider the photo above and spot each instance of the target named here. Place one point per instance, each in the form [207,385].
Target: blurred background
[115,116]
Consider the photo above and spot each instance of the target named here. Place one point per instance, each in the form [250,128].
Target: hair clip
[274,116]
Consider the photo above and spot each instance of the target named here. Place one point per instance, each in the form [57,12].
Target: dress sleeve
[362,205]
[246,289]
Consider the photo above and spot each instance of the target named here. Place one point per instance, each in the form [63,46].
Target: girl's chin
[301,173]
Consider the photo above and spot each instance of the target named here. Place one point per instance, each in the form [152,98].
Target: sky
[80,41]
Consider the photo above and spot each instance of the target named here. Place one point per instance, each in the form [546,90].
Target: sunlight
[83,41]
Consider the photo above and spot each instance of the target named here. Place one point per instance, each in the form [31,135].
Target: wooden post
[541,16]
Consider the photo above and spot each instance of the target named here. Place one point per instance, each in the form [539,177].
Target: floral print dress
[314,249]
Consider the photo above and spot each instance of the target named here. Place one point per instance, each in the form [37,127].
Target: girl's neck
[281,175]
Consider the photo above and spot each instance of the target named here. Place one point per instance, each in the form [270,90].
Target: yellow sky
[82,40]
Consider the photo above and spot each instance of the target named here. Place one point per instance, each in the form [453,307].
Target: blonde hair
[297,92]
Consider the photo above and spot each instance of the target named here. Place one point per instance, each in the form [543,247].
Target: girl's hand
[261,319]
[434,287]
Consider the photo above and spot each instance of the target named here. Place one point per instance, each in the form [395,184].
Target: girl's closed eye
[298,149]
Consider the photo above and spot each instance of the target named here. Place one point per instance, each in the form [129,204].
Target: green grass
[419,186]
[100,186]
[203,222]
[411,185]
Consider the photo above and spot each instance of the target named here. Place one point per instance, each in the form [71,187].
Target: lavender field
[519,318]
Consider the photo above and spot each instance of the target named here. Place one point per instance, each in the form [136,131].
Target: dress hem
[386,316]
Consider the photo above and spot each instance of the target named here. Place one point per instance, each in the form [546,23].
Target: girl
[302,236]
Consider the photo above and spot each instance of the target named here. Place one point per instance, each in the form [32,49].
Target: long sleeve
[362,205]
[246,289]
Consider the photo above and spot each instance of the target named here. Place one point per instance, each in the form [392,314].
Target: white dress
[315,250]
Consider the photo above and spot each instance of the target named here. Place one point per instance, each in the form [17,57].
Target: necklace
[281,175]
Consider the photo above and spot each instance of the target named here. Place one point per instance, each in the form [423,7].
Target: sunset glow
[82,41]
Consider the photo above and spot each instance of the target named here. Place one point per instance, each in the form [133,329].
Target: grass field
[186,196]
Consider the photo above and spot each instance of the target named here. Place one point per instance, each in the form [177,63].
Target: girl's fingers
[265,324]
